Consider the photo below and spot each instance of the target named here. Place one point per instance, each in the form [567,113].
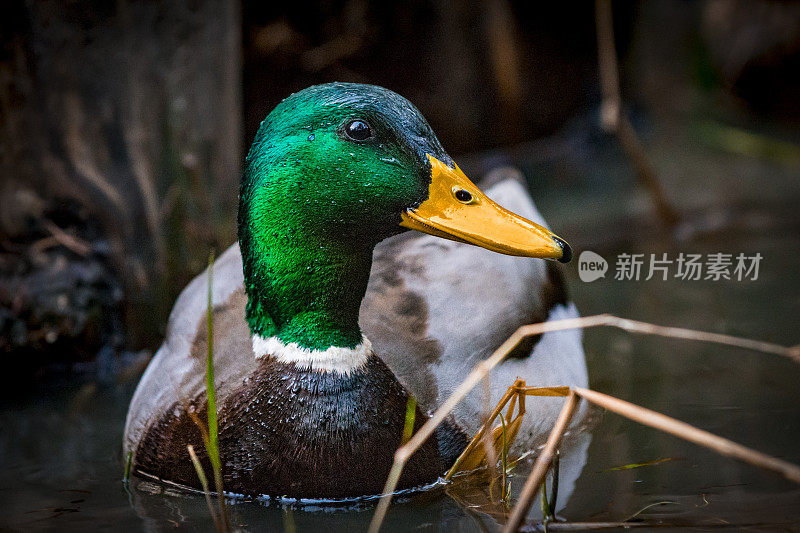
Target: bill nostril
[463,196]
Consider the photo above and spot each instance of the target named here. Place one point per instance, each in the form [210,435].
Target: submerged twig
[73,243]
[631,466]
[480,370]
[544,505]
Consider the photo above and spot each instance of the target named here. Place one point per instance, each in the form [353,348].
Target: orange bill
[458,210]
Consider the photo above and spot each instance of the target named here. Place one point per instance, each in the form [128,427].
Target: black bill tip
[566,251]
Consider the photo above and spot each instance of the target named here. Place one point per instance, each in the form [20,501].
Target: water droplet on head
[311,137]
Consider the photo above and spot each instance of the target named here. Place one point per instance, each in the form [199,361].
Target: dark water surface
[61,465]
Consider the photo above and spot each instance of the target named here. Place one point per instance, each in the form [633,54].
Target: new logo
[591,266]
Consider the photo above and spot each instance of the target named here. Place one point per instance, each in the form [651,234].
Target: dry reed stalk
[692,434]
[646,417]
[542,465]
[480,370]
[594,526]
[487,440]
[467,460]
[71,242]
[645,328]
[478,373]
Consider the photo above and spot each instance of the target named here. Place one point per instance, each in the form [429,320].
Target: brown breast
[301,434]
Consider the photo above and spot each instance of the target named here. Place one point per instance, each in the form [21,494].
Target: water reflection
[463,505]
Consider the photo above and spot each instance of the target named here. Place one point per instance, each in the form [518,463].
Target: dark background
[124,125]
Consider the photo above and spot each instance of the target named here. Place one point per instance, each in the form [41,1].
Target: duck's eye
[463,196]
[358,130]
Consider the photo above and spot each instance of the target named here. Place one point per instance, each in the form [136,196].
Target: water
[60,445]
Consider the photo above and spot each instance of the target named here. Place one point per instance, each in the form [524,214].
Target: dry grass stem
[472,457]
[692,434]
[595,526]
[484,367]
[635,326]
[479,372]
[542,464]
[504,461]
[649,418]
[488,440]
[71,242]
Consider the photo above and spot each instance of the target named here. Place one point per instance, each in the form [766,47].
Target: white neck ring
[334,359]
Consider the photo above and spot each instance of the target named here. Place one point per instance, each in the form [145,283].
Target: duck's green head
[333,170]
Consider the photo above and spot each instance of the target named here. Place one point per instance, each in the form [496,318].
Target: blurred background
[123,127]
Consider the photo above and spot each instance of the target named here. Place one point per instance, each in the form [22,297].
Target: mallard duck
[328,314]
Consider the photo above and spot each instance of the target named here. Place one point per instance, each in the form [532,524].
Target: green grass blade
[288,521]
[212,445]
[504,490]
[127,474]
[554,493]
[547,513]
[638,465]
[411,414]
[201,475]
[211,394]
